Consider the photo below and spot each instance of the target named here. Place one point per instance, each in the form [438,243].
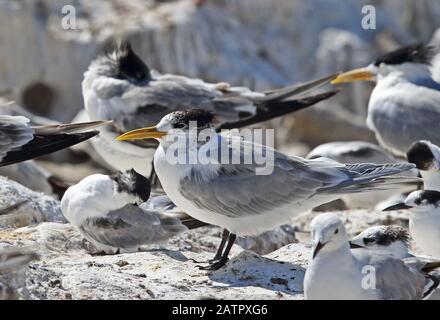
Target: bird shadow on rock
[250,269]
[173,254]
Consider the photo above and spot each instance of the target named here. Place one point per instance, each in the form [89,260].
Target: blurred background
[261,44]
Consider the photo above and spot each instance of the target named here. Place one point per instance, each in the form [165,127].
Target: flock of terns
[137,116]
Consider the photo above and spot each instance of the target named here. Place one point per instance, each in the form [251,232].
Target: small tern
[238,197]
[337,272]
[403,106]
[113,213]
[424,219]
[121,87]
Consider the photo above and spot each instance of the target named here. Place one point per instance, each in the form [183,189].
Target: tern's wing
[407,116]
[131,226]
[393,278]
[14,133]
[244,189]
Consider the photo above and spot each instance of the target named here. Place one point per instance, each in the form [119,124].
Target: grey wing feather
[131,226]
[293,179]
[394,279]
[14,132]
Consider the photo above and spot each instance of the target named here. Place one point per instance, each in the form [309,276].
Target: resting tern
[426,157]
[252,196]
[403,106]
[117,212]
[121,87]
[424,219]
[337,272]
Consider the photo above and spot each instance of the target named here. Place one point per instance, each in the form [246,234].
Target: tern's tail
[372,177]
[277,103]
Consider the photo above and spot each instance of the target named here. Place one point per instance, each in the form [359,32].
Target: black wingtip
[279,109]
[192,223]
[45,144]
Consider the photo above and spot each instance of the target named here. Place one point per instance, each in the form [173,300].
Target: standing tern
[121,87]
[20,142]
[243,198]
[404,105]
[424,219]
[117,212]
[337,272]
[359,152]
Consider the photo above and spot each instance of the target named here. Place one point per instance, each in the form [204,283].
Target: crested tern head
[236,195]
[424,219]
[337,272]
[405,96]
[426,156]
[119,86]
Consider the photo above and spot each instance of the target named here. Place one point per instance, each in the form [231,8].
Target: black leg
[219,253]
[224,259]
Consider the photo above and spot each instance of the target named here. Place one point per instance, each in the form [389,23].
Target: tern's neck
[431,179]
[409,72]
[398,249]
[342,255]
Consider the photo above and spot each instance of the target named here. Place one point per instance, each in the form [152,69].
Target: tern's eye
[336,231]
[368,240]
[179,125]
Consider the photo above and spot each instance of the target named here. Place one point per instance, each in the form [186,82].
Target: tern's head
[424,155]
[178,122]
[411,62]
[394,239]
[420,201]
[133,183]
[121,62]
[328,233]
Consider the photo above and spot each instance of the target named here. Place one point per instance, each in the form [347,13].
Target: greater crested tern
[337,272]
[360,152]
[117,212]
[403,106]
[21,142]
[426,157]
[121,87]
[238,197]
[424,219]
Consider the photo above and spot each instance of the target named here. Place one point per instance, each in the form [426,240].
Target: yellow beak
[142,133]
[354,75]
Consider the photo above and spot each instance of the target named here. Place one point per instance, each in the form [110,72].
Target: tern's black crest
[430,196]
[181,119]
[416,53]
[388,235]
[421,155]
[121,62]
[133,183]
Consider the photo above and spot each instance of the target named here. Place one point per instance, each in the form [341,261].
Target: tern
[426,157]
[404,105]
[247,196]
[337,272]
[118,213]
[424,219]
[120,86]
[360,152]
